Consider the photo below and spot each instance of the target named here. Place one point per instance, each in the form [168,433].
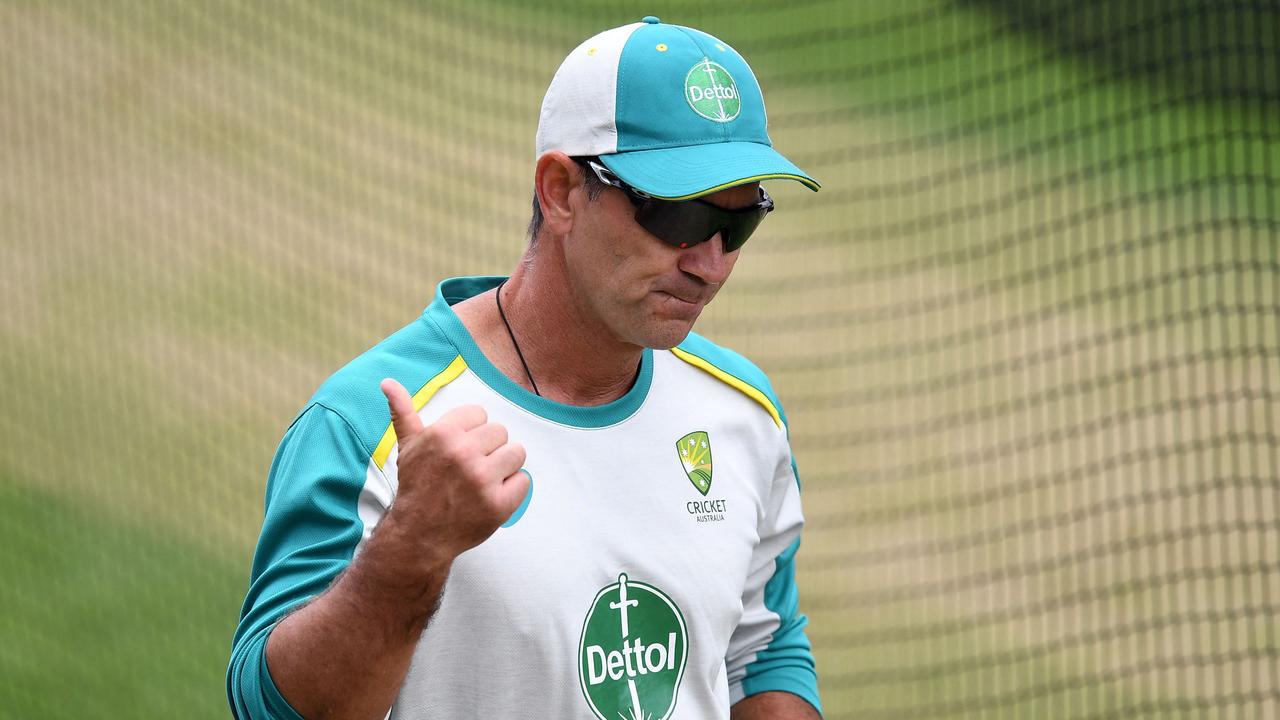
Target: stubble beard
[661,332]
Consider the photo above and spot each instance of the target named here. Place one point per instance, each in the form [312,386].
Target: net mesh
[1026,334]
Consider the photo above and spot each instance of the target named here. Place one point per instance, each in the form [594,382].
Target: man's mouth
[680,298]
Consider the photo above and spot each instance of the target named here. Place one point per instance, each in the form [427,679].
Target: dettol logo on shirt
[632,653]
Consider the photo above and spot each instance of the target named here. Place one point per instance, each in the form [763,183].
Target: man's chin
[668,334]
[668,322]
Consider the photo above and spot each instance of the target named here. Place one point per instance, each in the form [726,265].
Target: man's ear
[555,178]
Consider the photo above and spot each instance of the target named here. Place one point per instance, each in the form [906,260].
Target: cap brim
[682,173]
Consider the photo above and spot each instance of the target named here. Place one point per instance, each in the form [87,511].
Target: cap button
[650,19]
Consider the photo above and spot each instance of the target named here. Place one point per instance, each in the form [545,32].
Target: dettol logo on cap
[711,92]
[632,653]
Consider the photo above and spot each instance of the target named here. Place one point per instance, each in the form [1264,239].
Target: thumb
[403,417]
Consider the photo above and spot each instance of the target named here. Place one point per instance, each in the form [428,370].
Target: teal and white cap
[671,110]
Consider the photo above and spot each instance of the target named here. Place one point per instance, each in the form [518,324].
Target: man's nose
[707,261]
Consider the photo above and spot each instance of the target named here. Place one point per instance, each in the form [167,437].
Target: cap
[671,110]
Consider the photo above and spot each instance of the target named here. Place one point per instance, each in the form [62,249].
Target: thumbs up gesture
[459,477]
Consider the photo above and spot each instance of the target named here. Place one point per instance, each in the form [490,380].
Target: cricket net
[1026,335]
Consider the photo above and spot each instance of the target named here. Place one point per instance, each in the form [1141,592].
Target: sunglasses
[686,223]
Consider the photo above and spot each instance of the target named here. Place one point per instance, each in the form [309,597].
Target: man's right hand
[346,653]
[459,478]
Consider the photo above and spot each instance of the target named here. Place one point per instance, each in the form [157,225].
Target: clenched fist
[459,477]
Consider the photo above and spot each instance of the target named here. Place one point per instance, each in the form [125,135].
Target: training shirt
[649,572]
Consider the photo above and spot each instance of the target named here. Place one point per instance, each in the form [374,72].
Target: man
[577,508]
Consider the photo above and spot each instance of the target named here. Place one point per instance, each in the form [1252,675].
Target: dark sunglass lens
[685,224]
[681,224]
[743,224]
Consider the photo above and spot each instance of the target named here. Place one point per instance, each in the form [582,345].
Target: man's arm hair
[346,652]
[773,705]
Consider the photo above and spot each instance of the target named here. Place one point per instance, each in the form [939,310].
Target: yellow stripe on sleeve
[420,398]
[731,381]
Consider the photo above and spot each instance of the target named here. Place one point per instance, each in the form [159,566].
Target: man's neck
[571,360]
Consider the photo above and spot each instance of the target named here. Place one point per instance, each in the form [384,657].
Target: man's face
[644,291]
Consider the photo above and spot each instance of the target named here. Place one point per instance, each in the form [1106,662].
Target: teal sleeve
[310,531]
[787,663]
[252,692]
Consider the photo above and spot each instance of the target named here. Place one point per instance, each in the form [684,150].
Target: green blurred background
[1027,334]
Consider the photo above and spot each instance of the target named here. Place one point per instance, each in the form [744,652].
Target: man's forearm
[347,652]
[773,706]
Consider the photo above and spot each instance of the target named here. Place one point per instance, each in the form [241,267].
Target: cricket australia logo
[632,653]
[695,457]
[711,91]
